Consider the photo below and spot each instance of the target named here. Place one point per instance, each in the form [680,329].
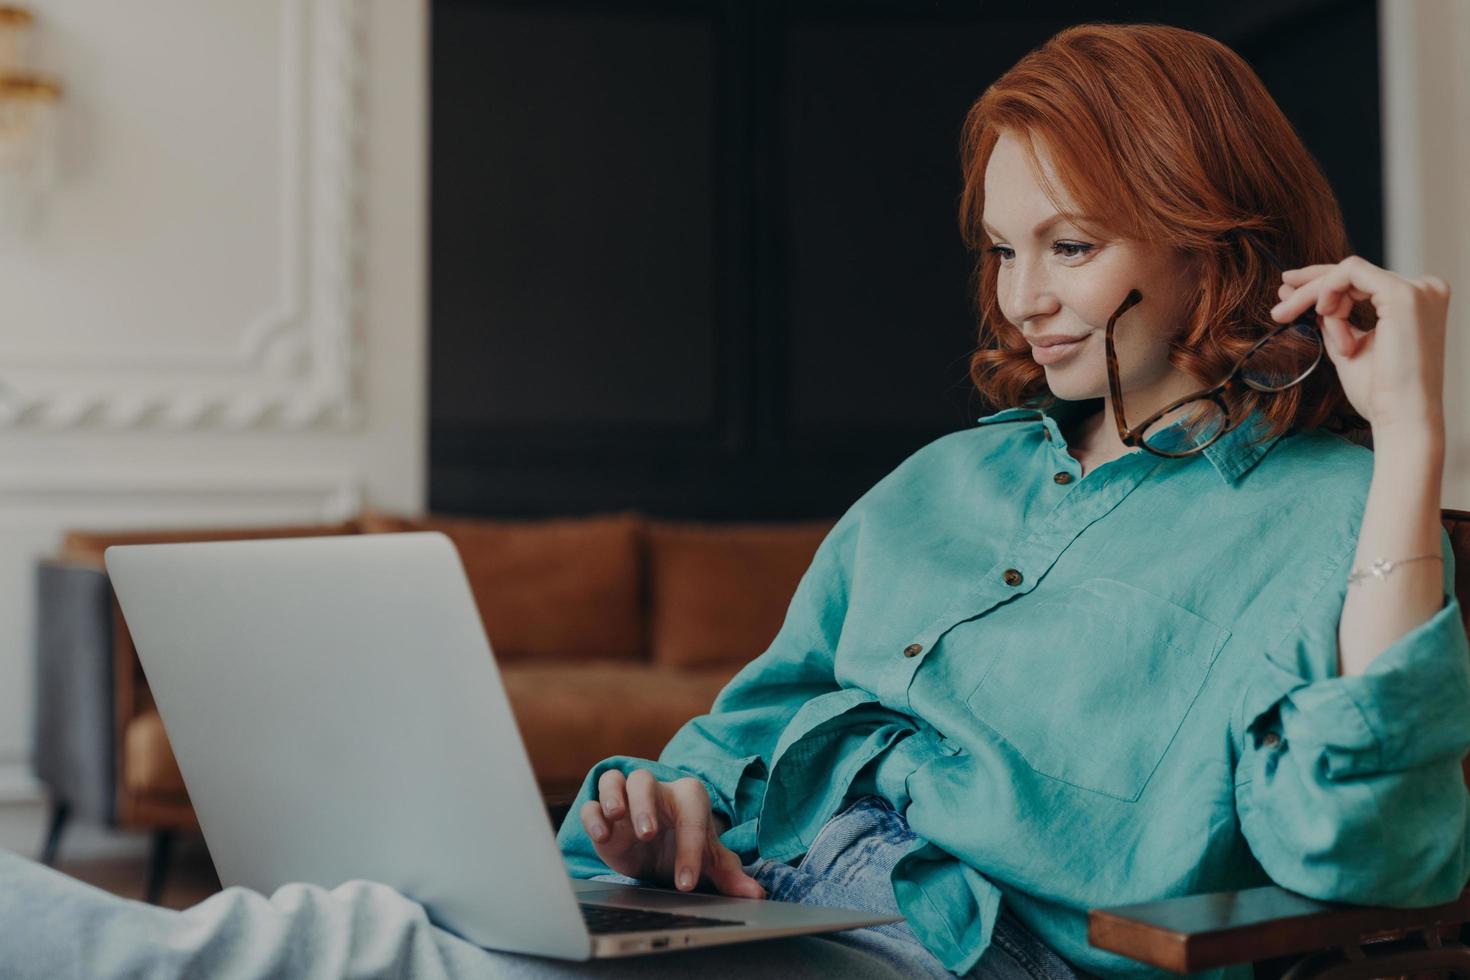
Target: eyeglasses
[1282,358]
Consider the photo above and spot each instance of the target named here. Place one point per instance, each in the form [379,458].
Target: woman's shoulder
[1305,498]
[1316,459]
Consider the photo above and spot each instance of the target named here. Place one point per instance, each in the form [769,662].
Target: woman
[1083,674]
[1038,668]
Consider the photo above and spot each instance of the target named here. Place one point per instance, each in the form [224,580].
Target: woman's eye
[1065,249]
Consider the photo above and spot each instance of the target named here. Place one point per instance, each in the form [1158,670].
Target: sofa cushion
[719,592]
[573,716]
[148,762]
[563,589]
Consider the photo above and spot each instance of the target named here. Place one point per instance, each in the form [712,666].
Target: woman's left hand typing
[1393,374]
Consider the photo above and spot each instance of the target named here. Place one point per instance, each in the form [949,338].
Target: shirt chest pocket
[1092,687]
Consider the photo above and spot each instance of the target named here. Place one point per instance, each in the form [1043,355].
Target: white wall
[1426,151]
[222,318]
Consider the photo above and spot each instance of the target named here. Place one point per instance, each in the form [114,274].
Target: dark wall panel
[574,270]
[700,257]
[879,311]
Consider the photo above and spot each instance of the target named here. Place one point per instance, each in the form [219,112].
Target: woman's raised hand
[1394,374]
[663,833]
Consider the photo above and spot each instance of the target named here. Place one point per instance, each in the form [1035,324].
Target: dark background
[701,258]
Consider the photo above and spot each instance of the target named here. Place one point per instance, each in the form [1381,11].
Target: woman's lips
[1057,352]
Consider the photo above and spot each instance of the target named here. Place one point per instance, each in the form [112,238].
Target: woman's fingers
[1436,285]
[1338,296]
[675,818]
[1328,292]
[727,874]
[642,791]
[612,795]
[1353,276]
[1295,277]
[593,822]
[614,842]
[690,804]
[1286,289]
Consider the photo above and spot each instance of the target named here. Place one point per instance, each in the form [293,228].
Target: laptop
[337,714]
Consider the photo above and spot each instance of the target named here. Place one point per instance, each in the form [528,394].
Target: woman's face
[1056,280]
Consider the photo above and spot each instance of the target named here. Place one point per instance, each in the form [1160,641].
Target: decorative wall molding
[244,496]
[295,364]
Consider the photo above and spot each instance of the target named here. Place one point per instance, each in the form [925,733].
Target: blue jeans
[848,865]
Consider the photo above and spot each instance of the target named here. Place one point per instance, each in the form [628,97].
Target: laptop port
[661,942]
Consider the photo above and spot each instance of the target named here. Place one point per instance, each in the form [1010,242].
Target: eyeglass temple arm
[1114,384]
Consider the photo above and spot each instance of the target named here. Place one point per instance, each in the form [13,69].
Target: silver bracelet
[1382,566]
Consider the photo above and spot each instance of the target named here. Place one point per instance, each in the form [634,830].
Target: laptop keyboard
[602,919]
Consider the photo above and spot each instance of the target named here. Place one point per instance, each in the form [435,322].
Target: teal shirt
[1093,691]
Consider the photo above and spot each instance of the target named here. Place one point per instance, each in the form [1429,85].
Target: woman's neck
[1093,439]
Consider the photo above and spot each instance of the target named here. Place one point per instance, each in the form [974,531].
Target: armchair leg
[159,857]
[1384,959]
[60,812]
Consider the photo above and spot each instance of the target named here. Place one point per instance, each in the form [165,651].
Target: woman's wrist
[1421,441]
[1408,475]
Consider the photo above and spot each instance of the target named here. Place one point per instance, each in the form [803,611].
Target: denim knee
[867,831]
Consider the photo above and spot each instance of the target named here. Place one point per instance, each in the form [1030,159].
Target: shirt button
[913,650]
[1271,740]
[1012,577]
[1063,477]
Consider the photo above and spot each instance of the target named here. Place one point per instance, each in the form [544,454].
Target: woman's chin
[1073,389]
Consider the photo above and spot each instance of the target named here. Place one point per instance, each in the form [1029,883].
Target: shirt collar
[1232,455]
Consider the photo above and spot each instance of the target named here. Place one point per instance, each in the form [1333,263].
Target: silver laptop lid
[337,714]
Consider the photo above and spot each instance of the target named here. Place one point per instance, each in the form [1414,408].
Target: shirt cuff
[1410,707]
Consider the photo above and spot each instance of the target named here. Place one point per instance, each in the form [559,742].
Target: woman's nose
[1029,295]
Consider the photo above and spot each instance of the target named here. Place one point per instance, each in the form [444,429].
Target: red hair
[1166,136]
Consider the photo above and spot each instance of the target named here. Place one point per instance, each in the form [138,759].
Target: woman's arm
[1394,377]
[1400,519]
[1349,788]
[729,748]
[1351,732]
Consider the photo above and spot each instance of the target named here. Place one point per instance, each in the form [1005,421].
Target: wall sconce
[27,124]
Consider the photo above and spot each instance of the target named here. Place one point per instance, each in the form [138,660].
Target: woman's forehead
[1016,202]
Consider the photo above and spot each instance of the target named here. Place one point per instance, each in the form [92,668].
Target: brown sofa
[610,631]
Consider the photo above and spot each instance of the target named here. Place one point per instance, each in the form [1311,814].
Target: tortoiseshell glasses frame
[1134,436]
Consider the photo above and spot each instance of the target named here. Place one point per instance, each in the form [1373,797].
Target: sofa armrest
[75,747]
[1200,932]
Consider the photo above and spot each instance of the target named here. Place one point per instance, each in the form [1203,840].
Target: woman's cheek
[1092,291]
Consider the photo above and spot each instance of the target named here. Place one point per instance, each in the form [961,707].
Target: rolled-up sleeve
[1351,788]
[729,748]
